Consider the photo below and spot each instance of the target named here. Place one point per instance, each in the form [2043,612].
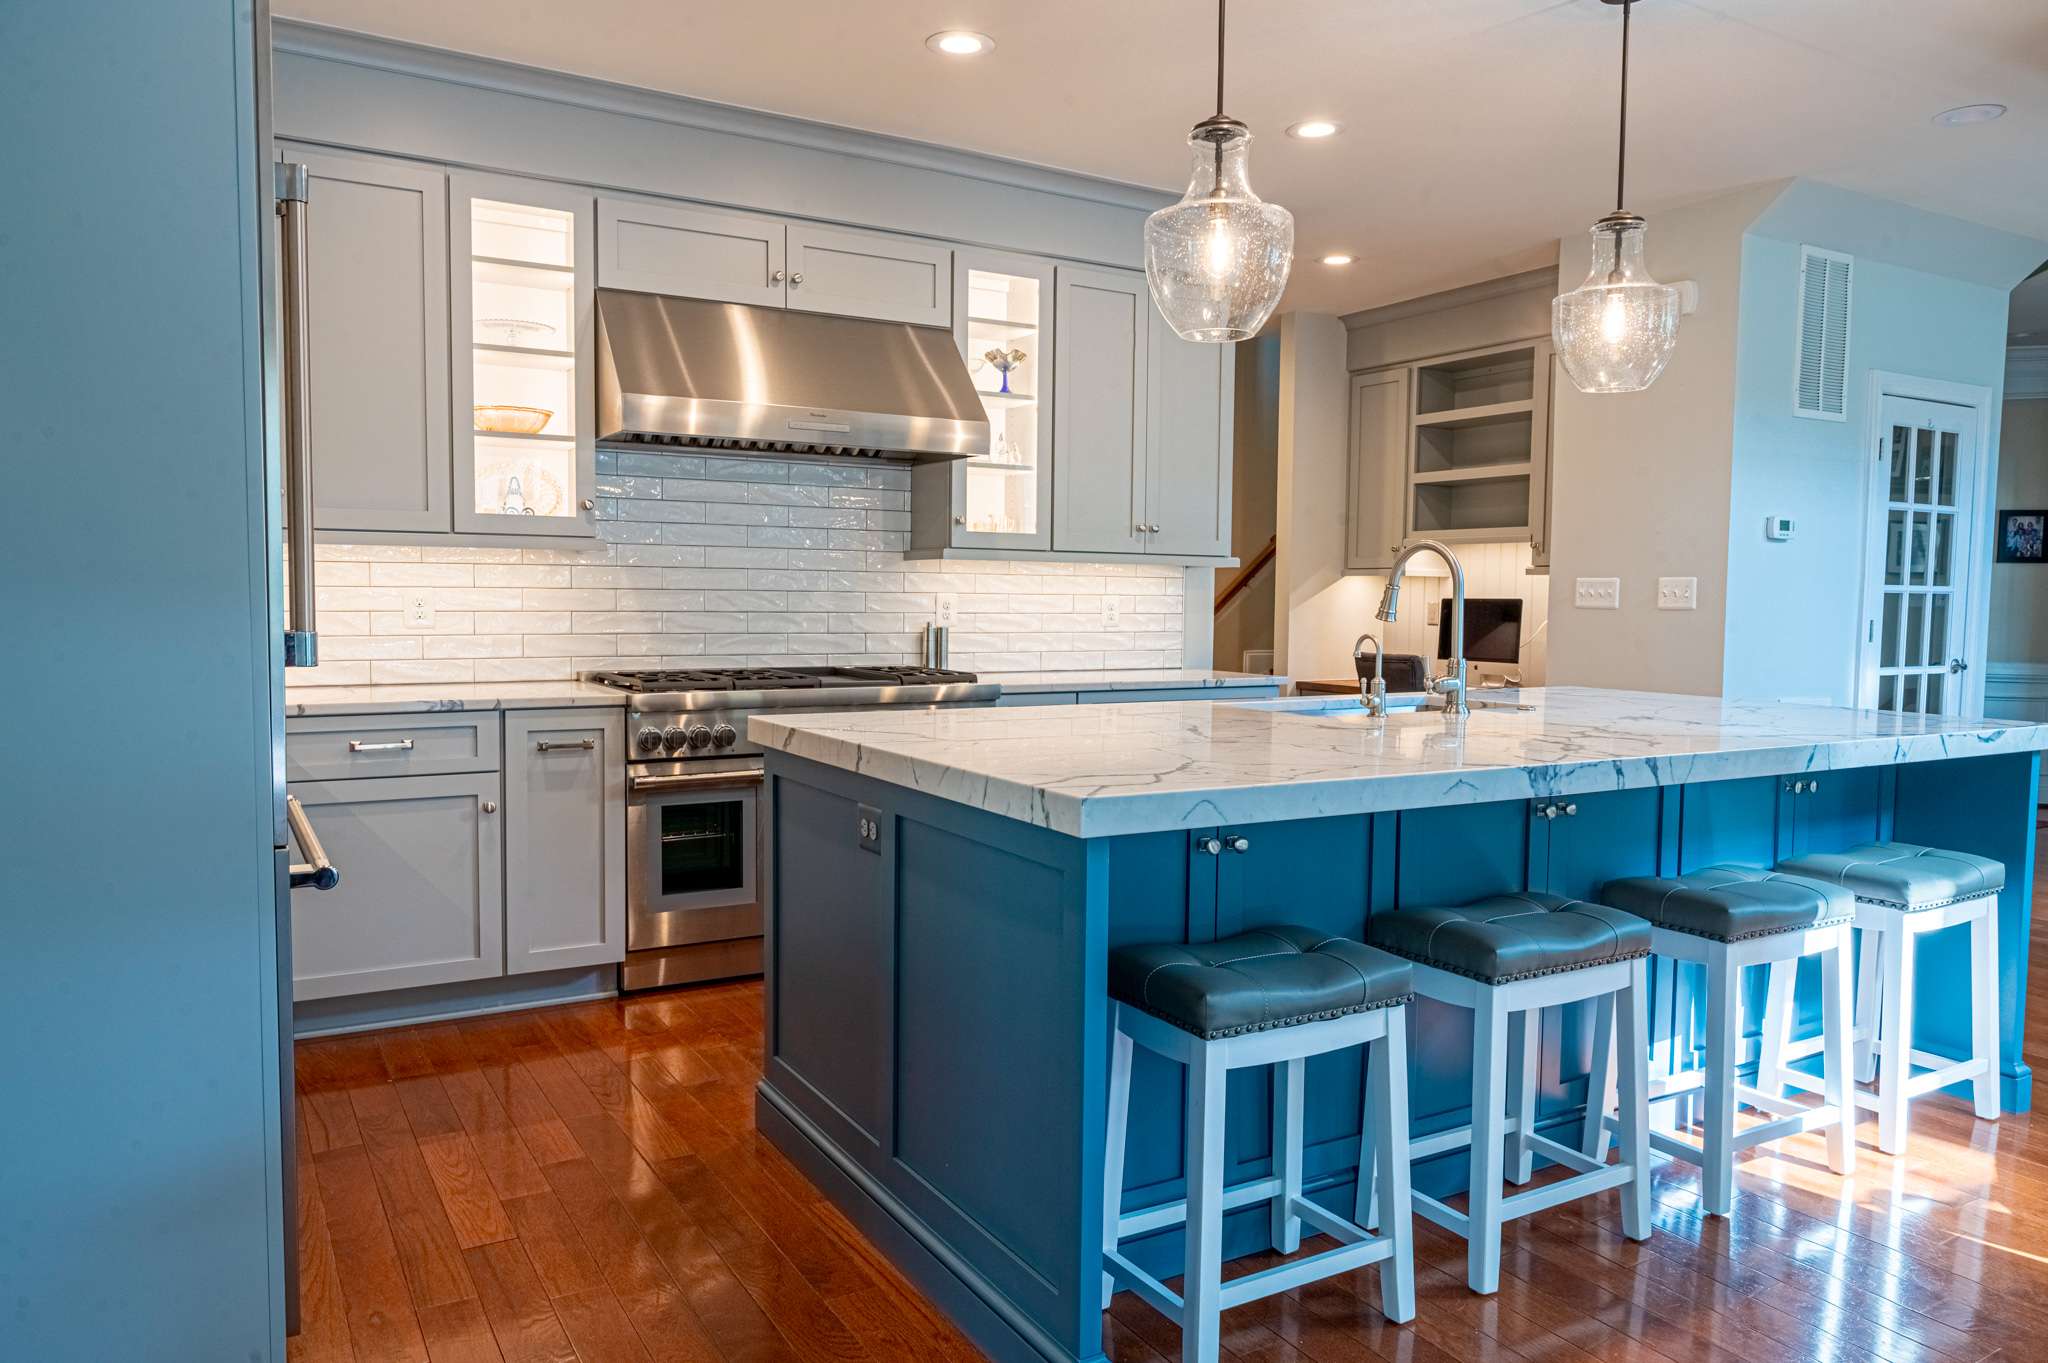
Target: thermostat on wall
[1779,527]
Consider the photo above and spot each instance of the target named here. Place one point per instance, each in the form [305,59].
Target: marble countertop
[300,701]
[1101,770]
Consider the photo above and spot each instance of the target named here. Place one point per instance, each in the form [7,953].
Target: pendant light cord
[1219,56]
[1621,154]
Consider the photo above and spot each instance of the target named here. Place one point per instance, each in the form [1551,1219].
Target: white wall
[1318,609]
[1247,622]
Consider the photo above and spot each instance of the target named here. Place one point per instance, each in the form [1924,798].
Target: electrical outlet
[870,829]
[1435,609]
[418,614]
[946,606]
[1598,594]
[1112,612]
[1678,593]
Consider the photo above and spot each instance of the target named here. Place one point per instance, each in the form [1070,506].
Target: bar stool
[1728,918]
[1903,892]
[1274,996]
[1506,959]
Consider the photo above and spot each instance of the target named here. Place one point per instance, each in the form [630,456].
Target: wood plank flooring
[584,1185]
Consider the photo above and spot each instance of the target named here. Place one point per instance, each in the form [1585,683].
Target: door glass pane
[1937,628]
[1945,484]
[1916,640]
[1934,688]
[701,847]
[1895,550]
[1923,467]
[1887,693]
[1893,602]
[1902,461]
[1003,353]
[1909,694]
[1916,556]
[1944,527]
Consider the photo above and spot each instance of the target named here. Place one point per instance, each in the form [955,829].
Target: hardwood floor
[584,1185]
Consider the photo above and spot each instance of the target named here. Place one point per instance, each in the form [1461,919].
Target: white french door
[1917,594]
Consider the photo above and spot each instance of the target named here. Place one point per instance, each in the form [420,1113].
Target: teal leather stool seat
[1512,936]
[1903,891]
[1731,903]
[1269,977]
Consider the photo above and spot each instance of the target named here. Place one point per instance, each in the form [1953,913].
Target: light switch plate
[1678,593]
[1597,594]
[418,614]
[1112,612]
[946,607]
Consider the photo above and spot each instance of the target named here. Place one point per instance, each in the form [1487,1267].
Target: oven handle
[654,785]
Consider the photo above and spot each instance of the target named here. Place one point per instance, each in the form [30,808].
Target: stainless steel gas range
[694,835]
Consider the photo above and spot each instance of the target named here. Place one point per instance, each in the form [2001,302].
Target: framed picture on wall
[2023,537]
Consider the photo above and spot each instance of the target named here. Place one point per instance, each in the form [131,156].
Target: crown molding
[2026,372]
[320,42]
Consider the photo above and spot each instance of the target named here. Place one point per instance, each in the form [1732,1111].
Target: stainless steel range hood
[682,371]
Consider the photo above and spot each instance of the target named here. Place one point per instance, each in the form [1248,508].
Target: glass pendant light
[1616,331]
[1217,261]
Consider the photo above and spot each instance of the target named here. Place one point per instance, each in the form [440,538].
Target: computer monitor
[1493,629]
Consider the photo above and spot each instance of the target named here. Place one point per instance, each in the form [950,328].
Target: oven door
[692,854]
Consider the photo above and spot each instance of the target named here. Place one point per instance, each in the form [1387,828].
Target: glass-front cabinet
[1002,317]
[521,278]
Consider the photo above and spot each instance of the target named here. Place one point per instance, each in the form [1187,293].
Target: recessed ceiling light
[1336,258]
[960,42]
[1314,128]
[1965,114]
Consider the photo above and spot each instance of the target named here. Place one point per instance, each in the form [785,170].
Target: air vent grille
[1823,380]
[746,445]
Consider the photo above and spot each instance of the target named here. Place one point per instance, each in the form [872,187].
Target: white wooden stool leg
[1631,1013]
[1113,1146]
[1837,1052]
[1287,1106]
[1489,1114]
[1869,992]
[1600,1081]
[1202,1280]
[1779,999]
[1896,951]
[1365,1209]
[1984,1007]
[1525,1045]
[1717,1163]
[1387,1114]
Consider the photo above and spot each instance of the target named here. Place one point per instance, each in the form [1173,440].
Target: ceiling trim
[300,38]
[1544,277]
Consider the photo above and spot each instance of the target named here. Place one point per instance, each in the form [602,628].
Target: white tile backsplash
[705,561]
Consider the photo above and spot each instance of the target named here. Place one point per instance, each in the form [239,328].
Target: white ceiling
[1475,130]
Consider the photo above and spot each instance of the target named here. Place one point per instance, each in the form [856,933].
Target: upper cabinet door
[1101,337]
[867,274]
[525,441]
[1003,501]
[1192,395]
[689,252]
[1379,468]
[377,278]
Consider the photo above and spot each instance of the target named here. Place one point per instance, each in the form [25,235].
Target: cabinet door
[1379,468]
[565,839]
[421,898]
[377,318]
[522,264]
[689,252]
[869,274]
[1191,394]
[1101,339]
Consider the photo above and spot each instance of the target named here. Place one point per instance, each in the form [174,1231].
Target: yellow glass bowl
[504,420]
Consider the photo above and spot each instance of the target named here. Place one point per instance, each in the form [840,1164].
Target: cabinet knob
[490,806]
[1237,842]
[796,279]
[777,277]
[1212,845]
[589,504]
[959,520]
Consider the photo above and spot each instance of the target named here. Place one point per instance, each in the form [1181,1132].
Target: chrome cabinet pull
[1237,842]
[316,872]
[796,279]
[1211,845]
[1554,809]
[490,806]
[545,745]
[777,277]
[402,745]
[295,419]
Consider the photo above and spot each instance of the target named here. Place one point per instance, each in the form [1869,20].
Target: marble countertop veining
[1101,770]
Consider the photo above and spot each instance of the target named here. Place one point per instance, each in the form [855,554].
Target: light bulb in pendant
[1614,320]
[1221,250]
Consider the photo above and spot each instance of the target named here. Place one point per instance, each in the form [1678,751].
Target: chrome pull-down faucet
[1373,694]
[1451,687]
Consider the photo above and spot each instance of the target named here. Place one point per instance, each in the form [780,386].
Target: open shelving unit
[1473,453]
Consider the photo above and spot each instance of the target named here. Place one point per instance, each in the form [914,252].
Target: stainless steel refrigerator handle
[316,872]
[301,637]
[650,785]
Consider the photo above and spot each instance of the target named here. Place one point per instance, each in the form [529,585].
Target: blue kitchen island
[944,887]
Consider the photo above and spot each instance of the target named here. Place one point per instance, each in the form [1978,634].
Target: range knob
[673,738]
[700,737]
[724,736]
[648,739]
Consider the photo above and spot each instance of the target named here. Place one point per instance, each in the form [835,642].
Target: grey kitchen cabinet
[351,747]
[421,897]
[1378,491]
[731,257]
[1539,508]
[565,839]
[1191,390]
[1102,335]
[868,274]
[377,281]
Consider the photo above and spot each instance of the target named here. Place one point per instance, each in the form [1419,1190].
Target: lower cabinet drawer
[421,898]
[348,747]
